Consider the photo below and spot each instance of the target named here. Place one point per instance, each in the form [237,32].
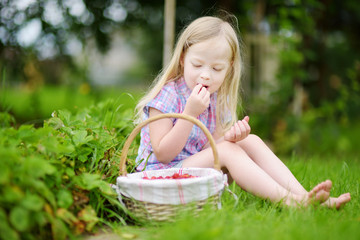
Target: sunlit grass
[253,218]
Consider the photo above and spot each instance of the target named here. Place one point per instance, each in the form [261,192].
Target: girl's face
[207,63]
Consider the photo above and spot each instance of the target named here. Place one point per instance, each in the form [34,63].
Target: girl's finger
[237,131]
[197,88]
[233,132]
[247,126]
[242,128]
[202,92]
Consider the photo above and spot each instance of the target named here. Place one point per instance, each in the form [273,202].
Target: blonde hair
[199,30]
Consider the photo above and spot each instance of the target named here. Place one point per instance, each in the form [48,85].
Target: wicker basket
[132,188]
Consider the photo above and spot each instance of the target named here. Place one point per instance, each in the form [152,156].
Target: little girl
[202,80]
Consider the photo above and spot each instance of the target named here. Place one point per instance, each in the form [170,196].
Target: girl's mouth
[203,86]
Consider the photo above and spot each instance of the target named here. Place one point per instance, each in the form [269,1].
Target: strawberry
[174,176]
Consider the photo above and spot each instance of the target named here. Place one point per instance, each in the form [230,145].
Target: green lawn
[253,218]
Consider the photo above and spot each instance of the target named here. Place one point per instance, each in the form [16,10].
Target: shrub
[54,180]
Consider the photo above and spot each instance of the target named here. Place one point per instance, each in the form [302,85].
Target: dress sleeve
[166,101]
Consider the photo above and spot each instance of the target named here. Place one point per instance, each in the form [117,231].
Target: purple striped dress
[172,99]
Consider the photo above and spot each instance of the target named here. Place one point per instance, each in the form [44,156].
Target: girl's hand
[239,131]
[198,101]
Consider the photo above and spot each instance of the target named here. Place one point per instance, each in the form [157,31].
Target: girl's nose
[205,75]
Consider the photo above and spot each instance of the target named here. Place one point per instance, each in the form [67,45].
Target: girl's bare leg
[252,178]
[261,154]
[270,163]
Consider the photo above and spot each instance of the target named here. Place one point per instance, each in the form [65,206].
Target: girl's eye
[197,65]
[217,69]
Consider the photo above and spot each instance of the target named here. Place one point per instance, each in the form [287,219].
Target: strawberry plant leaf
[20,218]
[66,215]
[59,230]
[55,123]
[4,174]
[64,198]
[37,167]
[64,115]
[12,194]
[88,181]
[43,190]
[6,231]
[32,202]
[80,137]
[88,215]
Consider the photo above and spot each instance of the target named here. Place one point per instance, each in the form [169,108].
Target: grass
[253,218]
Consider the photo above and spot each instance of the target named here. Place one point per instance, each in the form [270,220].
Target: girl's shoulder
[169,90]
[175,89]
[169,87]
[166,100]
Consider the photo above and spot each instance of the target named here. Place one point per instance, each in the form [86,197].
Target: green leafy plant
[54,180]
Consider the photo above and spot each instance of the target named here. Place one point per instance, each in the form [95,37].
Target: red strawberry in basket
[175,176]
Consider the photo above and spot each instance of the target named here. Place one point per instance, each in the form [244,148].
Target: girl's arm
[167,140]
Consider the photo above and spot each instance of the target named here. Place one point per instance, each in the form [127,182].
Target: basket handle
[138,128]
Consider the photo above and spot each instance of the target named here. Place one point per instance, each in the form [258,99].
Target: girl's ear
[182,60]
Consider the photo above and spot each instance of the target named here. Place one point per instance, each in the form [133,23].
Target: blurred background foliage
[301,86]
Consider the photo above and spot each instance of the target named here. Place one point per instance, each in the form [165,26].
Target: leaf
[88,215]
[6,119]
[83,153]
[88,181]
[27,133]
[51,145]
[66,216]
[65,148]
[43,190]
[70,172]
[5,229]
[32,202]
[55,123]
[41,218]
[64,115]
[37,167]
[58,229]
[80,137]
[106,188]
[65,198]
[20,218]
[12,193]
[4,174]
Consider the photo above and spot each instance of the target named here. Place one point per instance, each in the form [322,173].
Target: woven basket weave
[149,210]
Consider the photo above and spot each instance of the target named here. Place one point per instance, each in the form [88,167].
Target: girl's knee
[225,145]
[227,148]
[254,137]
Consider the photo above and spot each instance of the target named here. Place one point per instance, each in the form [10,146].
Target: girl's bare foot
[325,186]
[338,202]
[319,194]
